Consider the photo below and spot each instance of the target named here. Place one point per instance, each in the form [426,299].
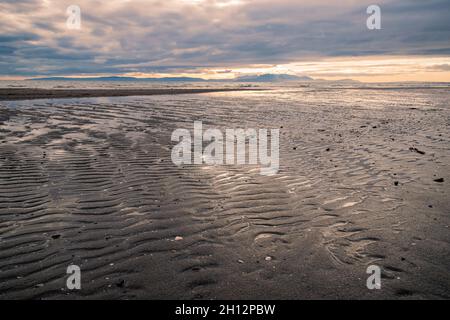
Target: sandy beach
[364,180]
[12,94]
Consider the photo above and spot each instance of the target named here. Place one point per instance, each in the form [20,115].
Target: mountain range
[253,78]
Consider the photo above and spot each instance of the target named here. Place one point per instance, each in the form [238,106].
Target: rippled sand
[91,182]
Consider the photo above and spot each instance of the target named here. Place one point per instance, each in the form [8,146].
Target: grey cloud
[440,67]
[168,37]
[18,37]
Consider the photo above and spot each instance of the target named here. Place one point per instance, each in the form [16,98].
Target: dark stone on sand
[416,150]
[396,183]
[121,283]
[439,180]
[328,149]
[56,236]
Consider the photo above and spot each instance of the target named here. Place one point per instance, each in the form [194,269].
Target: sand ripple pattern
[90,182]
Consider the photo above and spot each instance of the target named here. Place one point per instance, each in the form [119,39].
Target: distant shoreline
[13,94]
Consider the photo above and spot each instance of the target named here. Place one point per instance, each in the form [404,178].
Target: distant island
[272,78]
[250,78]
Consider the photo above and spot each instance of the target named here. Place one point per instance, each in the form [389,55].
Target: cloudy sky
[226,38]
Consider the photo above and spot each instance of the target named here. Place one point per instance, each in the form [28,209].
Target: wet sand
[91,182]
[13,94]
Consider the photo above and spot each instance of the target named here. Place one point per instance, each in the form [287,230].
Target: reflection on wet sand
[91,182]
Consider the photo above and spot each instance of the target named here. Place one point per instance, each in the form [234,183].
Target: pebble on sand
[121,283]
[178,238]
[268,258]
[416,150]
[439,180]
